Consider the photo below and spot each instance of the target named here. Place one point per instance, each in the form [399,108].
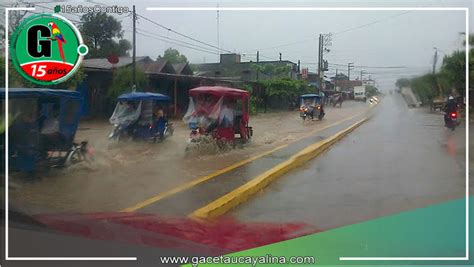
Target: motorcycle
[134,117]
[121,131]
[306,112]
[309,104]
[451,120]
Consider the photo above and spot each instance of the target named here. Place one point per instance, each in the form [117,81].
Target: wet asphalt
[187,201]
[400,159]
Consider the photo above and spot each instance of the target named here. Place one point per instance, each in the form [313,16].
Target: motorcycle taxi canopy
[310,99]
[131,105]
[206,104]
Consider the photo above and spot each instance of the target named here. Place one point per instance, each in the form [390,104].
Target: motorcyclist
[450,107]
[160,120]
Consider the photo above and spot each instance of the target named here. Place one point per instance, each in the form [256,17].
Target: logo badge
[47,49]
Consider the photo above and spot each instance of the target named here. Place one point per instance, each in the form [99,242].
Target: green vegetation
[286,88]
[371,90]
[269,69]
[122,82]
[173,56]
[100,32]
[451,78]
[402,82]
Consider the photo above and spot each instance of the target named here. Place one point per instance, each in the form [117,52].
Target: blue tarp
[143,96]
[83,89]
[310,95]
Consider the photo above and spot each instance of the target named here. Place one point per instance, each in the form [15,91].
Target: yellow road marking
[205,178]
[198,181]
[239,195]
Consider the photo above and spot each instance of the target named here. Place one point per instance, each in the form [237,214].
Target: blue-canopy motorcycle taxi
[141,116]
[41,126]
[311,105]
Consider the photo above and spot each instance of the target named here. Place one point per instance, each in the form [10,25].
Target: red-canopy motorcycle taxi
[221,113]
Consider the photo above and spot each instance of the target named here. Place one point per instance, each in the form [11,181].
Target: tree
[100,33]
[173,56]
[371,90]
[453,71]
[122,82]
[271,69]
[15,17]
[340,77]
[425,87]
[402,82]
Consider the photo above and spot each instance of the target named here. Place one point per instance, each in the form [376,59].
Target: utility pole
[335,80]
[435,59]
[217,18]
[324,40]
[320,60]
[258,72]
[134,74]
[349,67]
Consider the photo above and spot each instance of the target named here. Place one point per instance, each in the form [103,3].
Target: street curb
[215,174]
[232,199]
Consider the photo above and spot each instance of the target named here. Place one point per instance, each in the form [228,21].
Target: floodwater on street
[123,174]
[400,159]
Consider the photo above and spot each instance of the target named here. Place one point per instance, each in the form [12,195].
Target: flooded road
[401,159]
[126,173]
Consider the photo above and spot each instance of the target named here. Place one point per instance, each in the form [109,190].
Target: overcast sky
[367,38]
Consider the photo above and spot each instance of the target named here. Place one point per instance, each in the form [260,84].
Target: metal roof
[159,66]
[182,68]
[103,63]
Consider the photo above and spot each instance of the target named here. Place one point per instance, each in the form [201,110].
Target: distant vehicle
[359,93]
[437,102]
[311,105]
[337,99]
[374,100]
[140,116]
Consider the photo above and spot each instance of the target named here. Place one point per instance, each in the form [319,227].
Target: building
[183,69]
[369,82]
[231,67]
[174,80]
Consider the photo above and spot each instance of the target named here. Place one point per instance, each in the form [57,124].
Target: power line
[50,8]
[175,43]
[371,23]
[181,34]
[364,66]
[337,33]
[283,45]
[274,59]
[172,39]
